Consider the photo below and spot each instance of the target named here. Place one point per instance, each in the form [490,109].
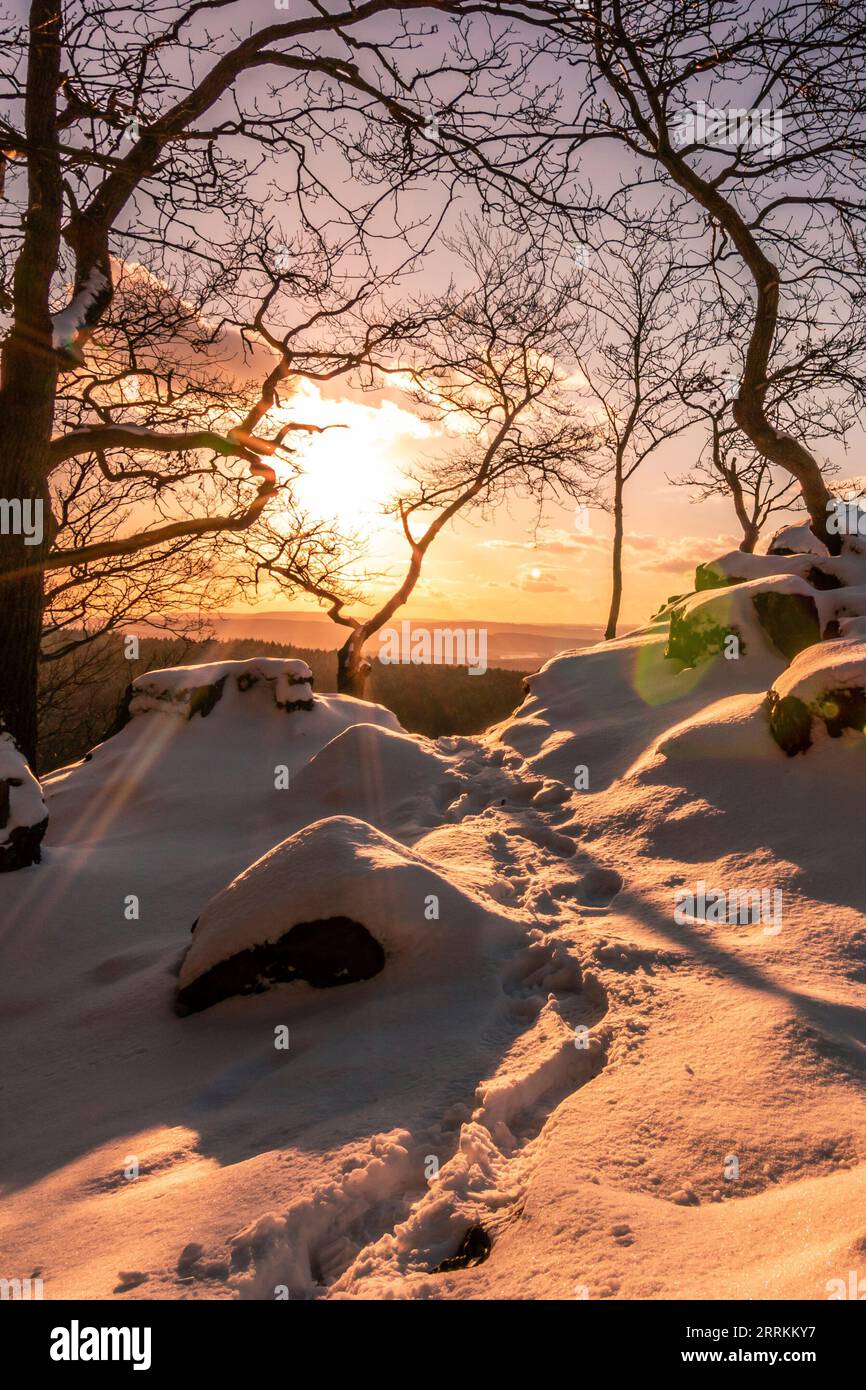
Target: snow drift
[537,1079]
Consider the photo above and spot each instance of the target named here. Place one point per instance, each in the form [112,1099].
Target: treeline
[81,692]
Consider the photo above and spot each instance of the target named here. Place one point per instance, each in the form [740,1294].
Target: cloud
[650,554]
[637,542]
[669,564]
[552,542]
[680,555]
[535,580]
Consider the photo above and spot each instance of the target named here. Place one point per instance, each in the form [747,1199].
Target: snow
[839,665]
[26,807]
[69,321]
[396,783]
[369,877]
[290,683]
[799,539]
[548,1054]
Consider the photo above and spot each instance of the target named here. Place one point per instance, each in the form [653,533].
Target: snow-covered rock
[824,688]
[23,816]
[778,613]
[796,540]
[191,690]
[196,797]
[276,920]
[738,567]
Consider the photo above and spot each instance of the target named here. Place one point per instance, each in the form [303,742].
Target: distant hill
[517,647]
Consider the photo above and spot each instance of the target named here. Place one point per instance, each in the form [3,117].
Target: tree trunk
[20,627]
[790,454]
[21,587]
[352,668]
[616,595]
[26,418]
[749,407]
[750,525]
[28,383]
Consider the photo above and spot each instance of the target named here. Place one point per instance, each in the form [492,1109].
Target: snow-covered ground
[546,1058]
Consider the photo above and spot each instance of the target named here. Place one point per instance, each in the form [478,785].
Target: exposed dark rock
[130,1279]
[823,579]
[664,609]
[843,709]
[790,724]
[188,1257]
[204,698]
[332,951]
[708,578]
[122,715]
[22,846]
[693,639]
[291,705]
[474,1250]
[789,620]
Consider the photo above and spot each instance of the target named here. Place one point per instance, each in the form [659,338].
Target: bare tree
[136,132]
[803,394]
[631,343]
[736,470]
[490,372]
[769,191]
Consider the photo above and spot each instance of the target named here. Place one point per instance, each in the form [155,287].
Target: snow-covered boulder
[739,567]
[191,690]
[328,905]
[780,611]
[23,817]
[796,550]
[823,691]
[796,540]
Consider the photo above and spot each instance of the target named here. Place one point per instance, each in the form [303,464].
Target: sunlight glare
[349,474]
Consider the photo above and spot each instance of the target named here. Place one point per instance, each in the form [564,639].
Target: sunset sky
[504,569]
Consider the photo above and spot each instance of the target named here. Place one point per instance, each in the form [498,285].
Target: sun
[349,473]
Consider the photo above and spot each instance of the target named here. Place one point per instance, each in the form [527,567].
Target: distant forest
[81,692]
